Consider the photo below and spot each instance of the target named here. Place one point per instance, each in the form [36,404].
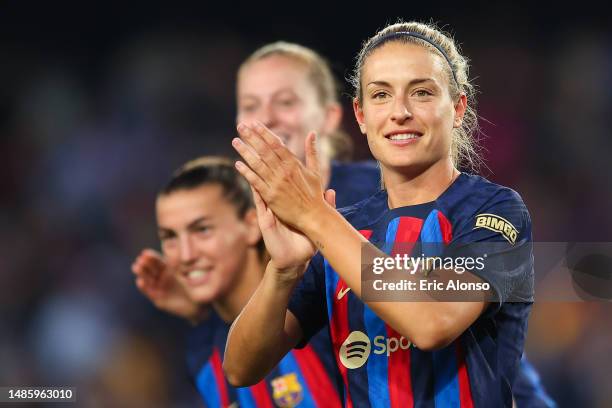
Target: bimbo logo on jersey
[498,224]
[357,347]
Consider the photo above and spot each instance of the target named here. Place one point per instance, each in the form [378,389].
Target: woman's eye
[286,103]
[203,230]
[422,92]
[248,108]
[168,242]
[379,95]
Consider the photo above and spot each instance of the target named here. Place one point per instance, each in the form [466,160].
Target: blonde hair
[339,144]
[465,151]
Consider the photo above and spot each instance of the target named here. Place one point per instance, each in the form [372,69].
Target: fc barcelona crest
[287,390]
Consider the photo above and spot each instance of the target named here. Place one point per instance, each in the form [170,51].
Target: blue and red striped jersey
[381,368]
[301,379]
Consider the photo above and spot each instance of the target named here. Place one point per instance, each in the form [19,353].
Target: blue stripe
[358,378]
[289,365]
[446,383]
[391,233]
[245,398]
[378,364]
[431,236]
[331,281]
[207,386]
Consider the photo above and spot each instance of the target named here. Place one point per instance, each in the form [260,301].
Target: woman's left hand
[292,190]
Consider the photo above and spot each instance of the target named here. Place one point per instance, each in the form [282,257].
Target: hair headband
[397,34]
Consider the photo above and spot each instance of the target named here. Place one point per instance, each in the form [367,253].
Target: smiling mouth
[404,136]
[196,276]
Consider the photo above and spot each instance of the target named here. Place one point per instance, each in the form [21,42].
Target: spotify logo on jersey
[355,350]
[357,347]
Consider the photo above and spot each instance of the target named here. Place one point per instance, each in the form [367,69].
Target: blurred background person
[291,90]
[213,258]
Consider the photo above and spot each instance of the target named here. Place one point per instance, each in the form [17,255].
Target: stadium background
[98,104]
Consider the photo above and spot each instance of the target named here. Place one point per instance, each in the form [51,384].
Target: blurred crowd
[85,149]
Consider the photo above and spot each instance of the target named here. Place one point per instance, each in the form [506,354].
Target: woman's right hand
[155,280]
[289,249]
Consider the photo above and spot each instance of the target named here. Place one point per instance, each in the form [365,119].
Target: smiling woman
[411,101]
[290,89]
[213,259]
[407,112]
[452,75]
[209,235]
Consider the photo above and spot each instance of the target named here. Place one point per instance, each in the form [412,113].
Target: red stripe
[339,328]
[366,233]
[445,227]
[398,369]
[215,362]
[261,395]
[321,388]
[399,380]
[407,235]
[339,332]
[465,393]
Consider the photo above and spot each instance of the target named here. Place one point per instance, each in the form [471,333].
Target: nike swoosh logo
[342,292]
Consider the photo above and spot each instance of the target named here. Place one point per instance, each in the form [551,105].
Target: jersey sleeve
[528,390]
[499,234]
[308,302]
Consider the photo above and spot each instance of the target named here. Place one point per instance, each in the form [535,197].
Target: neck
[201,313]
[229,306]
[406,188]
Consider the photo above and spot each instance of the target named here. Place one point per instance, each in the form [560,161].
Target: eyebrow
[165,232]
[197,221]
[415,81]
[192,224]
[251,95]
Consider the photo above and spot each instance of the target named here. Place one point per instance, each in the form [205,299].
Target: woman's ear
[333,118]
[253,231]
[359,115]
[460,108]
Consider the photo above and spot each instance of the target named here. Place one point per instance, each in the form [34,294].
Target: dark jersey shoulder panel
[492,221]
[354,182]
[528,389]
